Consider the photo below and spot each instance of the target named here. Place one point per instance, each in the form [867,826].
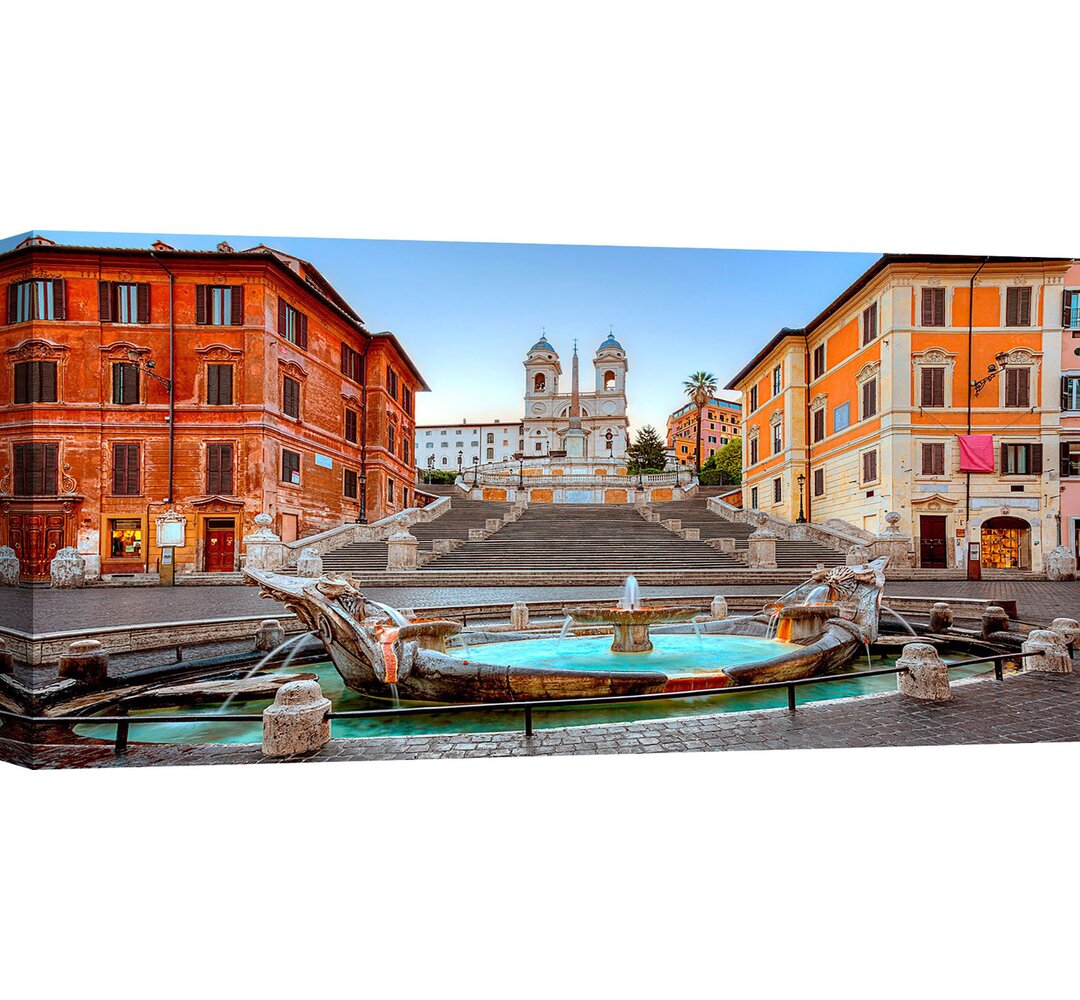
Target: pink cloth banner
[976,452]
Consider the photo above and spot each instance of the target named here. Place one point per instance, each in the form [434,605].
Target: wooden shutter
[1063,459]
[225,385]
[125,383]
[933,387]
[1036,467]
[927,307]
[281,316]
[291,397]
[106,298]
[237,317]
[47,392]
[226,483]
[202,295]
[301,330]
[22,382]
[213,388]
[1004,460]
[12,301]
[119,469]
[117,383]
[142,295]
[869,398]
[49,452]
[1010,307]
[1018,387]
[213,468]
[59,298]
[1066,300]
[19,455]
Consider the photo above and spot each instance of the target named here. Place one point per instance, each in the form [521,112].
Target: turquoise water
[674,654]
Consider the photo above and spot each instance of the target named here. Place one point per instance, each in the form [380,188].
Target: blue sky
[468,312]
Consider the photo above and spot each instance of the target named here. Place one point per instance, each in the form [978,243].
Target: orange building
[860,412]
[720,423]
[219,384]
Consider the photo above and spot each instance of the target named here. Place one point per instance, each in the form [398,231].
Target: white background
[828,126]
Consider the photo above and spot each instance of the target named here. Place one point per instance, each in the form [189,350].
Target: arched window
[491,439]
[540,382]
[609,381]
[490,452]
[608,440]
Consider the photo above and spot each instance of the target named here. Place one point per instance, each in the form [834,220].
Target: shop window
[125,538]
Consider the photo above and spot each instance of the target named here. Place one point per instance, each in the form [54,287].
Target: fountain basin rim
[645,615]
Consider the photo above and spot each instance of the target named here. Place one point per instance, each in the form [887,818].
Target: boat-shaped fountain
[819,626]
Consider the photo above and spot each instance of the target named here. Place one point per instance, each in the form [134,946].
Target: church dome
[609,343]
[542,345]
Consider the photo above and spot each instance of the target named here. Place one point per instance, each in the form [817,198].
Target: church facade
[593,421]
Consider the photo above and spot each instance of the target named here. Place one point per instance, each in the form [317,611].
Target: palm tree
[700,387]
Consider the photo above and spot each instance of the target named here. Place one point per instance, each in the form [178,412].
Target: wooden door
[36,538]
[932,548]
[220,546]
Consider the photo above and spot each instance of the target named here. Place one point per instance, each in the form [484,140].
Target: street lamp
[361,480]
[460,456]
[993,371]
[475,472]
[801,480]
[147,368]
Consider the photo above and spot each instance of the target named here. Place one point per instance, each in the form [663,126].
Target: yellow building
[860,412]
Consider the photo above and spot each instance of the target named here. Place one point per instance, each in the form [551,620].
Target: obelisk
[574,441]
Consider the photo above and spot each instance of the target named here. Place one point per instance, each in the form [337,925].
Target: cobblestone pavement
[1026,708]
[55,610]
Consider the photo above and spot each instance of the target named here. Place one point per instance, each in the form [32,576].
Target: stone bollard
[1068,629]
[941,617]
[994,619]
[310,563]
[691,534]
[9,567]
[718,609]
[86,661]
[6,661]
[269,635]
[296,722]
[68,569]
[519,615]
[401,548]
[493,524]
[927,677]
[1060,564]
[1053,655]
[761,550]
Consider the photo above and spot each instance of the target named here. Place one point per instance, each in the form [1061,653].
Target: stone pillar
[941,617]
[927,677]
[718,609]
[263,549]
[270,635]
[1053,658]
[9,567]
[691,534]
[1060,564]
[1068,629]
[401,550]
[310,563]
[761,547]
[519,615]
[86,662]
[6,661]
[68,569]
[994,619]
[296,722]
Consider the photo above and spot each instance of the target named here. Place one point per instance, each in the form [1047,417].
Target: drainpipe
[970,349]
[362,516]
[809,429]
[172,375]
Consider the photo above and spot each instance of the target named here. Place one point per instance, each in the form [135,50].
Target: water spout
[295,641]
[631,599]
[392,613]
[818,596]
[565,628]
[903,621]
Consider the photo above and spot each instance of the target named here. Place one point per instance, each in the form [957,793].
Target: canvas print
[302,500]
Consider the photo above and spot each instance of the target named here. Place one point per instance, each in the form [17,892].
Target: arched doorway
[1006,543]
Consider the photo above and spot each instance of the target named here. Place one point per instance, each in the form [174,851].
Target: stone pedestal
[631,638]
[519,615]
[401,550]
[1068,629]
[927,677]
[492,524]
[86,662]
[761,549]
[309,563]
[269,636]
[994,619]
[296,722]
[1054,656]
[691,534]
[1060,564]
[718,609]
[941,617]
[68,569]
[9,567]
[263,549]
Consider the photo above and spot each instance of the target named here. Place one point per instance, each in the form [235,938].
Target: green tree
[700,387]
[729,461]
[646,454]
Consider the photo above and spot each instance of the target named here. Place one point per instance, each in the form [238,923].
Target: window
[125,473]
[490,453]
[290,397]
[392,382]
[777,491]
[125,383]
[36,468]
[933,459]
[1070,392]
[841,418]
[350,427]
[869,324]
[777,380]
[609,381]
[1018,387]
[1018,306]
[40,298]
[350,362]
[754,498]
[350,484]
[222,305]
[538,446]
[1070,458]
[389,489]
[219,385]
[753,398]
[123,302]
[539,382]
[35,382]
[290,467]
[933,387]
[1021,459]
[777,439]
[753,451]
[125,538]
[390,437]
[292,324]
[407,399]
[869,398]
[819,482]
[819,360]
[219,469]
[869,466]
[1070,309]
[933,307]
[819,424]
